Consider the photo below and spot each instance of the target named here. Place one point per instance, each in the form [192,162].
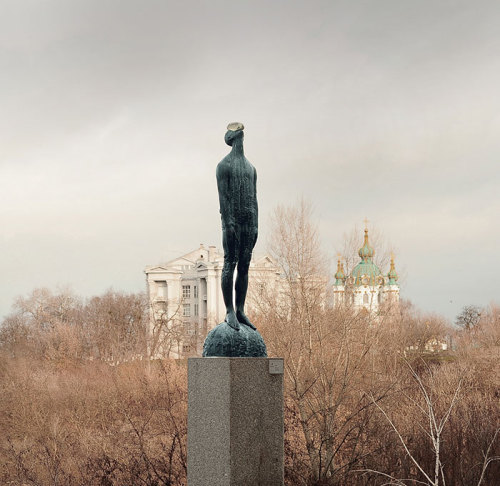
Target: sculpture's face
[231,136]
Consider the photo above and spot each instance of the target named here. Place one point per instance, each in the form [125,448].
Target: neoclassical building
[366,287]
[185,295]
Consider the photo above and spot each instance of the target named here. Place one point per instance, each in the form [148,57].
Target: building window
[195,291]
[186,291]
[186,310]
[196,309]
[365,298]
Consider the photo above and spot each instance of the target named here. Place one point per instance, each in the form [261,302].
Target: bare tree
[438,395]
[166,331]
[469,317]
[327,350]
[42,325]
[115,326]
[46,325]
[435,428]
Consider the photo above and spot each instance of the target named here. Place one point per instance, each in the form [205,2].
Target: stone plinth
[235,422]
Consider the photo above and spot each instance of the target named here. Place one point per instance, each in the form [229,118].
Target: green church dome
[340,275]
[366,272]
[392,275]
[366,251]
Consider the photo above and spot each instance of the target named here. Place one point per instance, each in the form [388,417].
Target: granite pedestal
[235,422]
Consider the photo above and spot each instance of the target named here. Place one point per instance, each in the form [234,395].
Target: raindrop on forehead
[235,126]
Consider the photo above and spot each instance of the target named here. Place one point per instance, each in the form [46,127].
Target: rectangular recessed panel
[276,366]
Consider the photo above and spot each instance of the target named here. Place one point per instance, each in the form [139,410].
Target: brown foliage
[111,327]
[92,424]
[367,401]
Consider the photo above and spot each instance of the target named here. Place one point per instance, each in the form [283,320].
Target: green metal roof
[340,275]
[366,268]
[392,275]
[366,251]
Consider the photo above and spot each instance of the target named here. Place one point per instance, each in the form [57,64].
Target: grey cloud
[113,115]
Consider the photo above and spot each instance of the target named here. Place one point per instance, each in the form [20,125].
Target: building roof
[340,275]
[366,272]
[207,257]
[392,275]
[366,251]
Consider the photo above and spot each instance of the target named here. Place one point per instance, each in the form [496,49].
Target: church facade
[366,287]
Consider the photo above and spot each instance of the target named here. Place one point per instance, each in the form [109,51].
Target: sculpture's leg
[230,243]
[242,280]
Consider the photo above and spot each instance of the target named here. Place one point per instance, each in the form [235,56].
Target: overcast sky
[113,114]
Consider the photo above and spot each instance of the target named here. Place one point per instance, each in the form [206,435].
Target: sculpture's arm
[223,186]
[256,205]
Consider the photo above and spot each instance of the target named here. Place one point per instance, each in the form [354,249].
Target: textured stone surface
[235,422]
[224,341]
[208,422]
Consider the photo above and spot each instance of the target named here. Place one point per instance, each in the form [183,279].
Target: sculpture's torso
[239,197]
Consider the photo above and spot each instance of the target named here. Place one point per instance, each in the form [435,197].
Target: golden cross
[366,222]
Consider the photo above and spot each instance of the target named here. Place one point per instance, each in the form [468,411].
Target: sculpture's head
[234,132]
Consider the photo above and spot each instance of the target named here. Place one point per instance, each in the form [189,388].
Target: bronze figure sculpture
[237,186]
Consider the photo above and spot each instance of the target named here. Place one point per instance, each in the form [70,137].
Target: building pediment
[264,261]
[179,262]
[161,269]
[157,268]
